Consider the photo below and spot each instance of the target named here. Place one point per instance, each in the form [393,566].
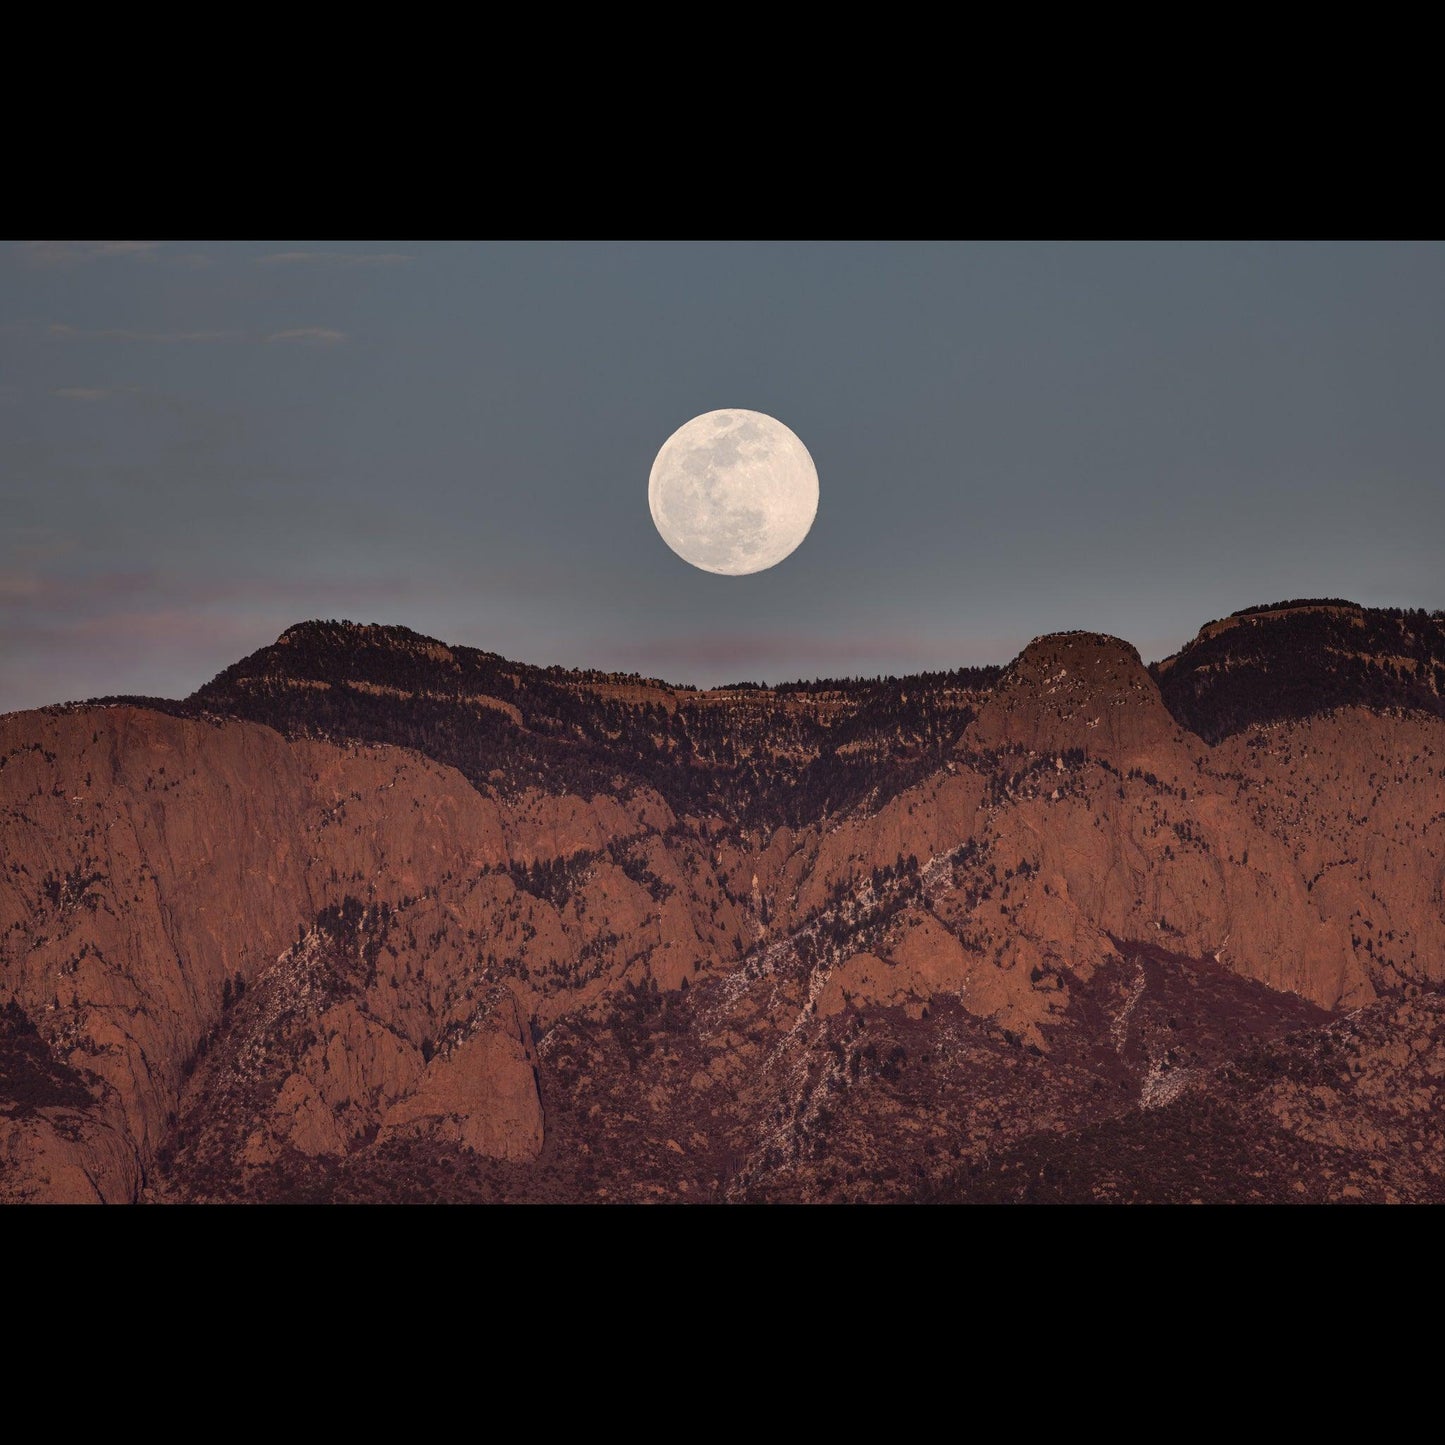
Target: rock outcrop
[1076,690]
[242,962]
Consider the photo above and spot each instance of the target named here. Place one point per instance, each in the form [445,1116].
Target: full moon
[733,492]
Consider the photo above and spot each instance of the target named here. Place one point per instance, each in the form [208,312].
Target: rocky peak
[1254,616]
[577,953]
[1302,658]
[348,636]
[1075,690]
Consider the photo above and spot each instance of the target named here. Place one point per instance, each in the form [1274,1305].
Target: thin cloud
[73,333]
[130,630]
[70,253]
[15,585]
[305,335]
[335,258]
[34,545]
[309,336]
[83,393]
[99,593]
[84,253]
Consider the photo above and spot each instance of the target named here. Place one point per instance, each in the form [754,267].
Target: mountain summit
[1298,659]
[1076,690]
[375,917]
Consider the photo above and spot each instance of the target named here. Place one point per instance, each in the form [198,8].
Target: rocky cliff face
[698,946]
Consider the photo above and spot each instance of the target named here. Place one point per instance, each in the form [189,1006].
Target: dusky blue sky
[203,442]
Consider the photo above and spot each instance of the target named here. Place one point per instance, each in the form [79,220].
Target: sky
[204,442]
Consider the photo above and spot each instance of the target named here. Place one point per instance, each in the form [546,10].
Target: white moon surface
[733,492]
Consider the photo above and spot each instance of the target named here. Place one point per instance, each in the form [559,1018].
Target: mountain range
[369,918]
